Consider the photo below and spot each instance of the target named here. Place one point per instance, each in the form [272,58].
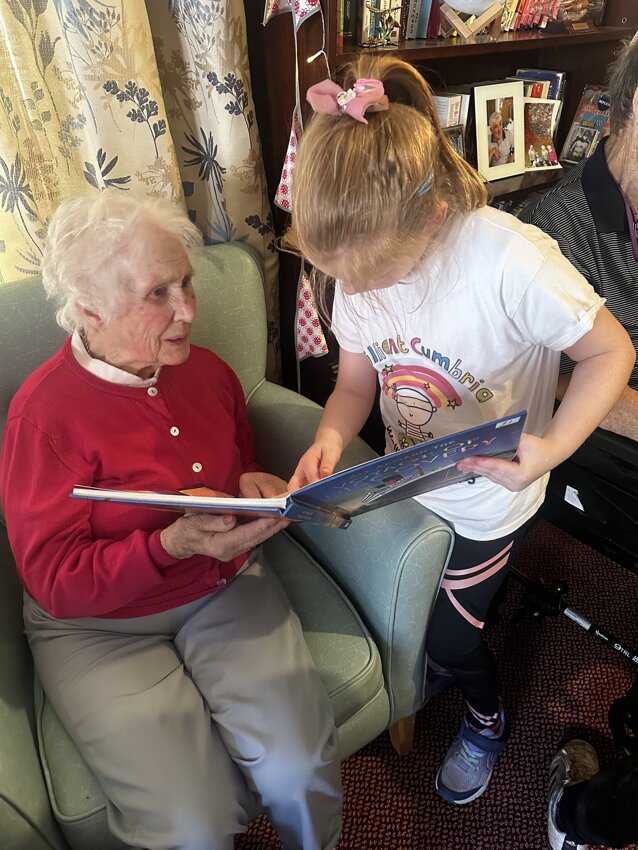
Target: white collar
[104,370]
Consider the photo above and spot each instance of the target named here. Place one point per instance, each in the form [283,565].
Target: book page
[196,500]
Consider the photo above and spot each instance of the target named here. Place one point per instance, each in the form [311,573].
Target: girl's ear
[440,214]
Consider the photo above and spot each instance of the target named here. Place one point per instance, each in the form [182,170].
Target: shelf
[418,49]
[541,179]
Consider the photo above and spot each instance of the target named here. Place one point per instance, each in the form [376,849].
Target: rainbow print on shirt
[418,393]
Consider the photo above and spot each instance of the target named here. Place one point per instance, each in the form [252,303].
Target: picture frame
[456,137]
[540,119]
[500,130]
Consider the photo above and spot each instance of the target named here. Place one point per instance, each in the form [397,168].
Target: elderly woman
[501,145]
[166,646]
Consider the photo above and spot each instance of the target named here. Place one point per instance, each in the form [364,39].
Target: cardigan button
[152,391]
[196,467]
[175,431]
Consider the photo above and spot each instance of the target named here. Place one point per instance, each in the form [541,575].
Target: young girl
[460,312]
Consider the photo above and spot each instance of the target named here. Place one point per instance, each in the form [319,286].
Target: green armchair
[363,595]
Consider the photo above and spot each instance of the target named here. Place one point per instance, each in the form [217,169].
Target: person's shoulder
[201,354]
[500,230]
[558,202]
[41,389]
[209,365]
[500,241]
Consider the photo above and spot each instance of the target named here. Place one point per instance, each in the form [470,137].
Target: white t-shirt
[504,147]
[472,334]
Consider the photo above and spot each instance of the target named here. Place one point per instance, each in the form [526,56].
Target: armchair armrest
[389,562]
[26,822]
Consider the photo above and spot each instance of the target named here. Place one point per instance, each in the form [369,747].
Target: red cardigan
[68,427]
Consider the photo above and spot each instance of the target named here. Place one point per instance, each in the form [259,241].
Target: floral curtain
[128,95]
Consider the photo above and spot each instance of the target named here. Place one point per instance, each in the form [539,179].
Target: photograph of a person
[500,135]
[580,143]
[540,122]
[500,131]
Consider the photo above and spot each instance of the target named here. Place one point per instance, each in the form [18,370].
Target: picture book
[335,500]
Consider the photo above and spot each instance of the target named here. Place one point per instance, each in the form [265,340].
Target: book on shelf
[335,500]
[365,23]
[589,125]
[424,17]
[508,18]
[533,88]
[410,10]
[434,21]
[556,80]
[349,19]
[448,107]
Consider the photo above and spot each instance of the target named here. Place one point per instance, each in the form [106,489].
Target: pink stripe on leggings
[480,566]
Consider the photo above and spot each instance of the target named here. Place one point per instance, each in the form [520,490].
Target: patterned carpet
[558,682]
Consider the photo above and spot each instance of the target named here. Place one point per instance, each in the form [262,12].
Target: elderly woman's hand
[220,537]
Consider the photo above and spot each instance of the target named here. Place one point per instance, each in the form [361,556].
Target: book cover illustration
[580,144]
[540,124]
[592,114]
[334,500]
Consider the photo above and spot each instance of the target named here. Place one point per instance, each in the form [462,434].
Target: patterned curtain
[123,94]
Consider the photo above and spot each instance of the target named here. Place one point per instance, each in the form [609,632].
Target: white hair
[94,245]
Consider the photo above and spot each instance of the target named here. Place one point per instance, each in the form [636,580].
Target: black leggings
[476,570]
[603,810]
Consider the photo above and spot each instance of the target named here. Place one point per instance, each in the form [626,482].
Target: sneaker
[575,762]
[467,767]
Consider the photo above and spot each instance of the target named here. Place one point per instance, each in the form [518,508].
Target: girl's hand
[533,459]
[318,462]
[261,485]
[218,537]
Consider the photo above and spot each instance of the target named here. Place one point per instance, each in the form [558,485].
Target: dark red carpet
[558,682]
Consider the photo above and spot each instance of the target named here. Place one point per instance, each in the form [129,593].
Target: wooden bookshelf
[433,49]
[585,56]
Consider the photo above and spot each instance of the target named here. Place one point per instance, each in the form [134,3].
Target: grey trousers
[195,719]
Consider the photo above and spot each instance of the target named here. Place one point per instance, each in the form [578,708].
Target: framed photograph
[540,118]
[579,12]
[580,143]
[455,137]
[500,129]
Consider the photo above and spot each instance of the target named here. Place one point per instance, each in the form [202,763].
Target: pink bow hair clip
[330,99]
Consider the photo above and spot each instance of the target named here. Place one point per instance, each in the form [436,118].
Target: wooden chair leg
[402,735]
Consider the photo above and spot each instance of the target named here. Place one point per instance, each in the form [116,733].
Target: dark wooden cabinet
[585,56]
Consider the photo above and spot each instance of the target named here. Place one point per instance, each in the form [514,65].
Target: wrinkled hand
[261,485]
[533,459]
[318,462]
[220,537]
